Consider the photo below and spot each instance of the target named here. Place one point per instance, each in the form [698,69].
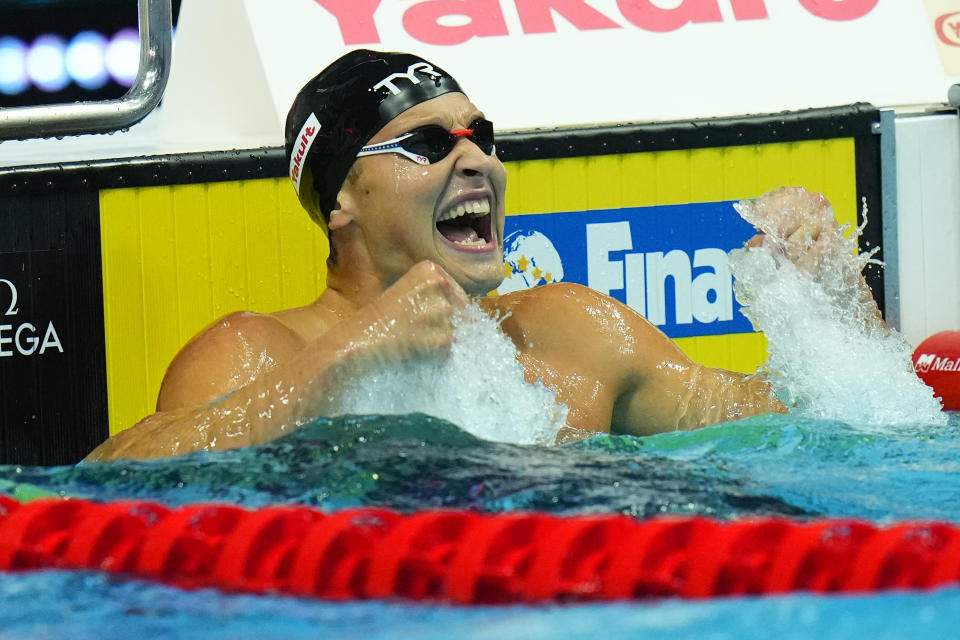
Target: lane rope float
[466,557]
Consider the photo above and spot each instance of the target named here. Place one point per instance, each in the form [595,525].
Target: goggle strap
[395,146]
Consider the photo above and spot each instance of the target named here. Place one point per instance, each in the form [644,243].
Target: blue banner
[668,263]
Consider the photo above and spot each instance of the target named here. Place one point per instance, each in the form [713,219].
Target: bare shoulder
[224,356]
[583,323]
[566,306]
[557,296]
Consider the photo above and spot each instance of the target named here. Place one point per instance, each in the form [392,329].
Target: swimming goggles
[432,143]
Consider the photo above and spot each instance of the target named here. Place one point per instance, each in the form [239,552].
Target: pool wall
[128,258]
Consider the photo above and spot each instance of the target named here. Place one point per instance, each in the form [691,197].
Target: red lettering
[300,152]
[749,9]
[485,17]
[311,131]
[422,20]
[355,18]
[535,15]
[652,18]
[839,9]
[942,32]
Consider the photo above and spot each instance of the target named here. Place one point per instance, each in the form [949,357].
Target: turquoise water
[85,606]
[769,465]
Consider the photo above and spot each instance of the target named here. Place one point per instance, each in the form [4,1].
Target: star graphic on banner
[523,263]
[537,273]
[507,270]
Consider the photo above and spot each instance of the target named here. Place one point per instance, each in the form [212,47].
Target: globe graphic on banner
[529,259]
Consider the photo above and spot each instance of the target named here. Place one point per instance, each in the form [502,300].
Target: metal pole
[156,47]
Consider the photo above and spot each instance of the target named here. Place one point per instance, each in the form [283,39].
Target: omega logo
[22,339]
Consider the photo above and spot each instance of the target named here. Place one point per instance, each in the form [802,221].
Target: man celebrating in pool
[389,156]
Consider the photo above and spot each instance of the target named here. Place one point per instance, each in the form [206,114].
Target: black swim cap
[341,108]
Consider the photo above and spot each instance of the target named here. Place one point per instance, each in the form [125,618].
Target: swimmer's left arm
[658,387]
[670,392]
[800,224]
[616,370]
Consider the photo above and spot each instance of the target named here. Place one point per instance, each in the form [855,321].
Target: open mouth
[468,225]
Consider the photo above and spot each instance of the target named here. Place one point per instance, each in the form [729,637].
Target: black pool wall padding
[53,405]
[851,121]
[869,186]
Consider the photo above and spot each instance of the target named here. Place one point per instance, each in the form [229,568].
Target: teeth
[481,207]
[472,207]
[479,242]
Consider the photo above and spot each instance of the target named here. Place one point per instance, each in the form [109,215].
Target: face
[450,212]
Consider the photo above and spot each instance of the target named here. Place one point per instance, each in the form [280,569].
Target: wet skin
[391,294]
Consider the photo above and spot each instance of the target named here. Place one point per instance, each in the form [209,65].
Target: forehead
[451,111]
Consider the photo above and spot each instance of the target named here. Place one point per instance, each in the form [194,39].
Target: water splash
[830,357]
[479,386]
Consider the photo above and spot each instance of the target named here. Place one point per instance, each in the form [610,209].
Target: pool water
[767,465]
[83,606]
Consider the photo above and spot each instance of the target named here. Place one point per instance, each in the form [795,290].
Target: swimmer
[399,168]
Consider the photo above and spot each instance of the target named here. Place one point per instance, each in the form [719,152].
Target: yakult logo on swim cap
[421,67]
[301,148]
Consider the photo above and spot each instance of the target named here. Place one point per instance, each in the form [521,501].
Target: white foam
[829,357]
[478,386]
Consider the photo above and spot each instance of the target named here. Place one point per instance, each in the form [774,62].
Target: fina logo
[529,259]
[24,337]
[422,67]
[706,298]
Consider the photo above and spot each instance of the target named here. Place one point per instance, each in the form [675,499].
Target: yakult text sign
[542,63]
[429,20]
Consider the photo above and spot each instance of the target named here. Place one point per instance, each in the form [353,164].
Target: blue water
[768,465]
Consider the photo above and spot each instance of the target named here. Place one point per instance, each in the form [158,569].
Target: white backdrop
[803,53]
[237,65]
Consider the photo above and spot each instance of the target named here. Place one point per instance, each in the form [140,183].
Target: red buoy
[937,362]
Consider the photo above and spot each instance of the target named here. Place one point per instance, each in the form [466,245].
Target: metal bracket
[156,47]
[891,238]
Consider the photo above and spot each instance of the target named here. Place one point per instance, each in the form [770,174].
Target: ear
[342,213]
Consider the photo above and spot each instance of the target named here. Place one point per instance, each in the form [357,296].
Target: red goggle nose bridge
[462,133]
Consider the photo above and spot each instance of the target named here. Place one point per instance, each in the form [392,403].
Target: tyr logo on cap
[422,67]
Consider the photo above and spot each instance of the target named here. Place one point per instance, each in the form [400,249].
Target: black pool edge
[855,120]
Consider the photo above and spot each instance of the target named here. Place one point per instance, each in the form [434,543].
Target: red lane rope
[466,557]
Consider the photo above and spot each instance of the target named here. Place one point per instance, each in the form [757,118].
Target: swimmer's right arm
[250,378]
[205,403]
